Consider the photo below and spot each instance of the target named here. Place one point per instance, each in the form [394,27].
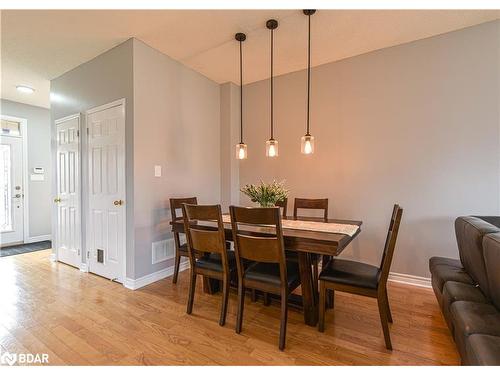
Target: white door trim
[55,234]
[24,136]
[115,103]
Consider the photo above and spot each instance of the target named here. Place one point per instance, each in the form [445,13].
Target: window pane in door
[6,186]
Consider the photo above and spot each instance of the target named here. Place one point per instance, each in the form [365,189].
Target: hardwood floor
[79,318]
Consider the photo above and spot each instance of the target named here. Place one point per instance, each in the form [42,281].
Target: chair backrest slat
[258,215]
[311,204]
[259,249]
[390,242]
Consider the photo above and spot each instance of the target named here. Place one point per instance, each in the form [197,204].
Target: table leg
[309,290]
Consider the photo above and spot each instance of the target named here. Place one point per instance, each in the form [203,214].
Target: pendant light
[241,148]
[272,144]
[307,141]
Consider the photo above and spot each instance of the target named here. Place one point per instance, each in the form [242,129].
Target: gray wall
[38,156]
[104,79]
[176,126]
[416,124]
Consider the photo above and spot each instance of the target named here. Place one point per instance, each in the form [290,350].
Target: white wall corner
[423,282]
[153,277]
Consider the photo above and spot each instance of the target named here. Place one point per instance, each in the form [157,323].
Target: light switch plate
[157,170]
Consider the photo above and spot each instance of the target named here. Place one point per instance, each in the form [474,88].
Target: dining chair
[283,204]
[180,249]
[363,279]
[207,251]
[269,271]
[313,204]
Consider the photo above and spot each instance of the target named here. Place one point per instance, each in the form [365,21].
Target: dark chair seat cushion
[213,262]
[483,350]
[351,273]
[453,292]
[269,273]
[473,317]
[438,261]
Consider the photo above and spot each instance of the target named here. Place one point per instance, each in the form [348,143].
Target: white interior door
[11,194]
[106,213]
[68,240]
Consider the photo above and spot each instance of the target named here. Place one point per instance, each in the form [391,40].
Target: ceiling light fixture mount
[241,148]
[307,141]
[272,144]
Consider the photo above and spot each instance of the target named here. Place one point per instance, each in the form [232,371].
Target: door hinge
[88,254]
[78,133]
[87,131]
[79,252]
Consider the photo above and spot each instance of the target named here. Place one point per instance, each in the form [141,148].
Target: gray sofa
[468,290]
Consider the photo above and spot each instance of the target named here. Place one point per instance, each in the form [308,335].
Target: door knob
[57,200]
[118,202]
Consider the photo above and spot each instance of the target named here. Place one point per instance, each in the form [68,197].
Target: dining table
[307,237]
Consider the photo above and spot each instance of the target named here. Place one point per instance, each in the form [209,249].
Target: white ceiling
[38,45]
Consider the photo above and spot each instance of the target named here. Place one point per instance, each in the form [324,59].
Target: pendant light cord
[241,93]
[308,69]
[272,114]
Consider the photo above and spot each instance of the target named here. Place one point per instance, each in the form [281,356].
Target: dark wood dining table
[305,242]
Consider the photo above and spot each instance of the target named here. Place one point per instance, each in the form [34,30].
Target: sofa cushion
[473,317]
[438,261]
[482,350]
[493,220]
[443,273]
[453,292]
[491,250]
[470,232]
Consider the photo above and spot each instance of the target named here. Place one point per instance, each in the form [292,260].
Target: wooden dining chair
[283,204]
[269,271]
[313,204]
[363,279]
[180,248]
[207,251]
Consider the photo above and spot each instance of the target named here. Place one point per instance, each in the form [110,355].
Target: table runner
[314,226]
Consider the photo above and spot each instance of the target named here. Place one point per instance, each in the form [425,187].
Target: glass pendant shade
[271,148]
[307,144]
[241,151]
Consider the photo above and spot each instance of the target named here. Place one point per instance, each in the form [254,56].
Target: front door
[106,214]
[11,182]
[68,191]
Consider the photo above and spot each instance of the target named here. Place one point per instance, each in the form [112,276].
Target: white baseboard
[153,277]
[424,282]
[46,237]
[83,267]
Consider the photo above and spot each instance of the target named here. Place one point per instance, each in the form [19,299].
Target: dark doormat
[25,248]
